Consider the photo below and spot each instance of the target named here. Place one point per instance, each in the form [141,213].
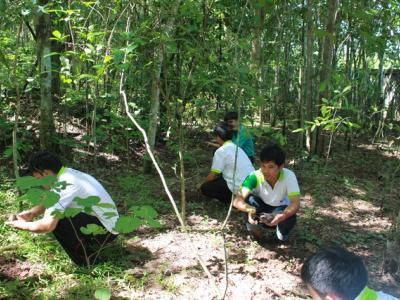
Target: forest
[130,92]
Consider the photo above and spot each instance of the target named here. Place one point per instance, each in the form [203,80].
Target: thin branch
[160,173]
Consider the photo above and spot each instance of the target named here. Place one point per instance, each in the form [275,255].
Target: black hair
[334,270]
[223,130]
[273,153]
[44,160]
[231,115]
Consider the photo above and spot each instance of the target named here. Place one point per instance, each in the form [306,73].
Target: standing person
[220,183]
[272,189]
[240,132]
[334,273]
[81,248]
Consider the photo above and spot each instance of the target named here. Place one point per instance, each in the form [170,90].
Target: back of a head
[231,115]
[223,130]
[273,152]
[44,160]
[335,271]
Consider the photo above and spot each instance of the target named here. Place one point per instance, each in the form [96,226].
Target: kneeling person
[81,248]
[272,189]
[222,181]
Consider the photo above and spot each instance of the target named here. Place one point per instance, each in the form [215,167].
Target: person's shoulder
[227,147]
[384,296]
[289,173]
[245,129]
[70,174]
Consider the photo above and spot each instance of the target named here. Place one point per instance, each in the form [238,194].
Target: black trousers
[81,248]
[217,189]
[284,227]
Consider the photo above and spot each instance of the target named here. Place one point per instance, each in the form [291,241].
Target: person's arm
[293,193]
[240,203]
[289,211]
[30,214]
[216,169]
[212,144]
[212,176]
[44,225]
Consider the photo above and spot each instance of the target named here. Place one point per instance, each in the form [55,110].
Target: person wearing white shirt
[272,189]
[334,273]
[81,248]
[230,166]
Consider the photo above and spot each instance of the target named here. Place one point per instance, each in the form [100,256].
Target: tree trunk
[156,85]
[43,33]
[326,67]
[308,71]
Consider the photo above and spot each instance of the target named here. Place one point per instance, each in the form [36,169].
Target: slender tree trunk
[43,33]
[156,85]
[308,72]
[326,67]
[256,52]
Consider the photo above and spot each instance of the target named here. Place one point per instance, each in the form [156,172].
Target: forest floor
[349,202]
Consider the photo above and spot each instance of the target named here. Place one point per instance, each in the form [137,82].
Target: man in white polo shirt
[81,248]
[222,181]
[272,189]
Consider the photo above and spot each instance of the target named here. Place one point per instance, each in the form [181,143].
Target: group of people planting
[269,197]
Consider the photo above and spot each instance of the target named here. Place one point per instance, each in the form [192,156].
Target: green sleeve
[250,182]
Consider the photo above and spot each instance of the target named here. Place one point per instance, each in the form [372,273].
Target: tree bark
[326,67]
[43,33]
[156,85]
[308,71]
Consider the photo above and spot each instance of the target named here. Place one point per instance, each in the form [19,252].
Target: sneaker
[280,236]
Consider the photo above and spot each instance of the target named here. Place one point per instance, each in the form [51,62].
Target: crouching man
[270,191]
[81,248]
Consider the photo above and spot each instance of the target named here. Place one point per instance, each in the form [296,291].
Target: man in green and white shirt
[270,189]
[333,273]
[224,178]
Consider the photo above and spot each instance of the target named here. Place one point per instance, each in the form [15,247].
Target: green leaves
[93,229]
[146,211]
[28,182]
[102,294]
[127,224]
[57,34]
[87,202]
[41,197]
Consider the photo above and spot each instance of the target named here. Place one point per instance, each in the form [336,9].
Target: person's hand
[251,210]
[12,217]
[277,219]
[251,220]
[18,224]
[25,216]
[198,187]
